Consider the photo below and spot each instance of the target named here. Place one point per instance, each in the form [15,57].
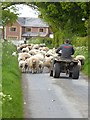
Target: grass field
[12,100]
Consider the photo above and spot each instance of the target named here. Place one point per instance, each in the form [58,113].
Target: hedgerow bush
[40,40]
[12,99]
[80,41]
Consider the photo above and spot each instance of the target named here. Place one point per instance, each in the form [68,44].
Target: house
[25,28]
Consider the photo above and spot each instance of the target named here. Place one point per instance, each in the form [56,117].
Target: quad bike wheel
[51,73]
[70,74]
[75,73]
[56,71]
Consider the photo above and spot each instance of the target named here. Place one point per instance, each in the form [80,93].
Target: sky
[26,11]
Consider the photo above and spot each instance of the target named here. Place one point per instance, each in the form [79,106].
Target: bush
[80,41]
[12,100]
[39,40]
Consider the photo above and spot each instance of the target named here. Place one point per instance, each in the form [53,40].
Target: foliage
[12,104]
[65,18]
[39,40]
[80,41]
[7,15]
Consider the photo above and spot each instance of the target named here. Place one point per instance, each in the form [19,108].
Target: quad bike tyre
[70,74]
[51,73]
[75,73]
[56,71]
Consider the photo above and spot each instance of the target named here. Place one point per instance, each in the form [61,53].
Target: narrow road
[47,97]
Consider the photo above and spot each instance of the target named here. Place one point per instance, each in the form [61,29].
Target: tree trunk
[3,32]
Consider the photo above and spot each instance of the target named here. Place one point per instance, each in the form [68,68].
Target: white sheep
[79,64]
[33,63]
[48,62]
[14,54]
[23,65]
[40,56]
[20,47]
[36,46]
[41,66]
[45,49]
[25,50]
[23,56]
[81,58]
[32,52]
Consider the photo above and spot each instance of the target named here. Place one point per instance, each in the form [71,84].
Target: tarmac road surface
[47,97]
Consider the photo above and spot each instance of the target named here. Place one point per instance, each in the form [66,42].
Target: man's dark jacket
[67,50]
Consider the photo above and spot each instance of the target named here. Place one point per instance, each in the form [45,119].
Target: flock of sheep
[35,57]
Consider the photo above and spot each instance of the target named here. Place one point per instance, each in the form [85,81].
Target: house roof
[34,34]
[32,22]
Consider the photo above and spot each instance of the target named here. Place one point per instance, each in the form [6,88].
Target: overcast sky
[26,11]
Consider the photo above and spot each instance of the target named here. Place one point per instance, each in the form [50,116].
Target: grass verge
[12,100]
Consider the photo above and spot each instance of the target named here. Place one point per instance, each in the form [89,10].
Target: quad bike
[68,66]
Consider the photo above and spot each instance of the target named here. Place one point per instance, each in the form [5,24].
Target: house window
[41,30]
[28,29]
[13,29]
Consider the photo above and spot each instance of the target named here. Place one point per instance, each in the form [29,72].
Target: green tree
[65,17]
[7,15]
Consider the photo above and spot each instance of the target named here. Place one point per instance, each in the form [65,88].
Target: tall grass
[12,100]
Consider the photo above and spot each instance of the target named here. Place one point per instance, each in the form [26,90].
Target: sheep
[33,63]
[81,58]
[26,55]
[14,54]
[41,66]
[43,52]
[23,56]
[48,62]
[35,57]
[30,47]
[42,45]
[45,49]
[36,46]
[48,54]
[23,65]
[20,47]
[32,52]
[40,56]
[79,64]
[25,50]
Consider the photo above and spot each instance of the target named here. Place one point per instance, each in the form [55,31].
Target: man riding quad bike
[64,63]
